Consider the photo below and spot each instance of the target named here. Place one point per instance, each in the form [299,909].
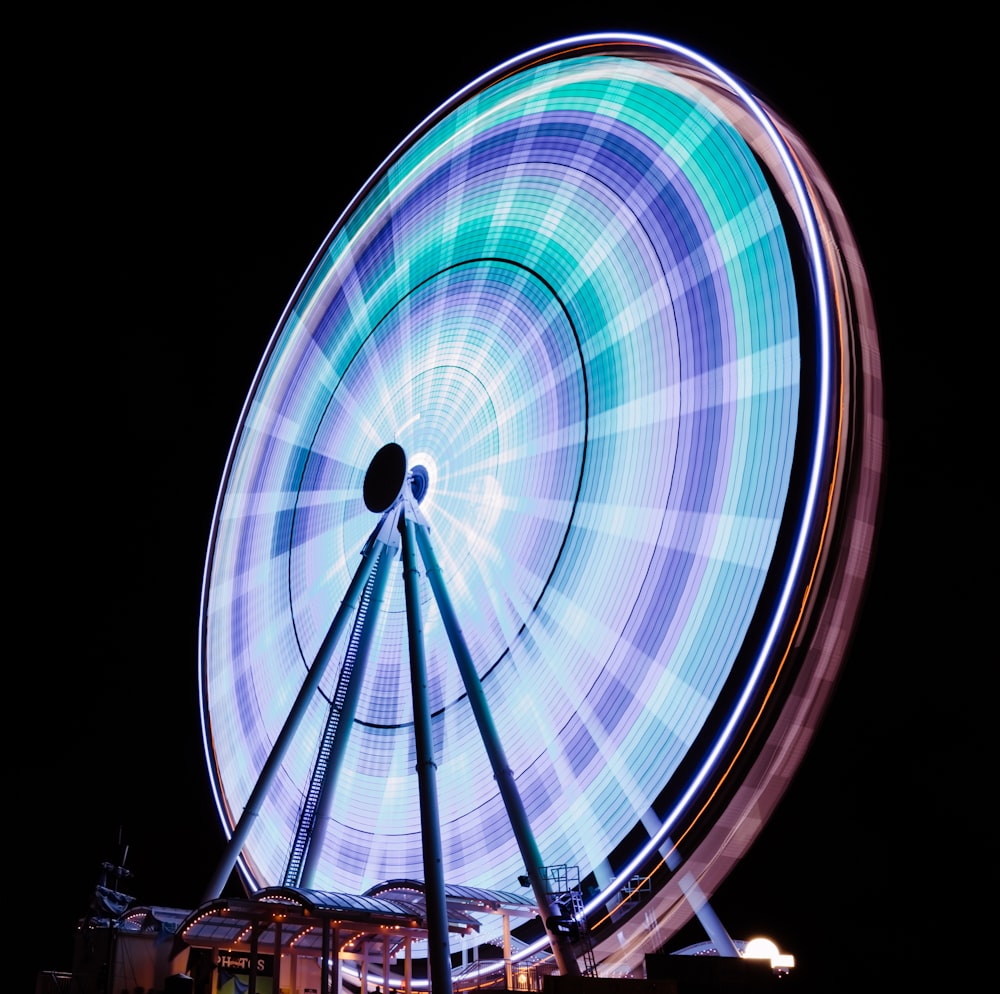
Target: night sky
[177,176]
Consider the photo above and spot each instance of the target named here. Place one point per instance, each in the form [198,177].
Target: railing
[563,883]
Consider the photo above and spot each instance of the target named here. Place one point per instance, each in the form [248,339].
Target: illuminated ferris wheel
[551,502]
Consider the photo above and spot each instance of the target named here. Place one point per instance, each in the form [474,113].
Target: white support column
[508,966]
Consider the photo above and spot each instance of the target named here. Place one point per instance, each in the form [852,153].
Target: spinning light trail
[600,295]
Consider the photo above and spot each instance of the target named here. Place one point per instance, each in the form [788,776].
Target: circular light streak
[600,297]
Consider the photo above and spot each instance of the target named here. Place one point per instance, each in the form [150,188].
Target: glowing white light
[760,948]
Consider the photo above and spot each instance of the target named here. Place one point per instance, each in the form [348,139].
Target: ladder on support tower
[303,834]
[590,964]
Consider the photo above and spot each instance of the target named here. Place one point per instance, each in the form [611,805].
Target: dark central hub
[385,478]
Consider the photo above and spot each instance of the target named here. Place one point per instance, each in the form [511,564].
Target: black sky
[178,175]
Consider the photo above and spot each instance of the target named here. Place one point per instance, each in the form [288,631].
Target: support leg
[562,948]
[267,775]
[438,947]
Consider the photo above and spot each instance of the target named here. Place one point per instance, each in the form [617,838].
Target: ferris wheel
[552,499]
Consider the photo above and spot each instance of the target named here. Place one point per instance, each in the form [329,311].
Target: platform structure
[309,939]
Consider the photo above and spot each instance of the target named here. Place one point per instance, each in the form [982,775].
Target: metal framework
[394,491]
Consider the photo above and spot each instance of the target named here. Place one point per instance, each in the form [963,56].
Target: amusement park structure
[540,541]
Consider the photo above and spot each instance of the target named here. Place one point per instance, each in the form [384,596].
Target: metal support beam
[704,911]
[561,945]
[241,831]
[438,947]
[324,965]
[348,710]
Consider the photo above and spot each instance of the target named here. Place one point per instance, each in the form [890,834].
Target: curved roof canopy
[296,918]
